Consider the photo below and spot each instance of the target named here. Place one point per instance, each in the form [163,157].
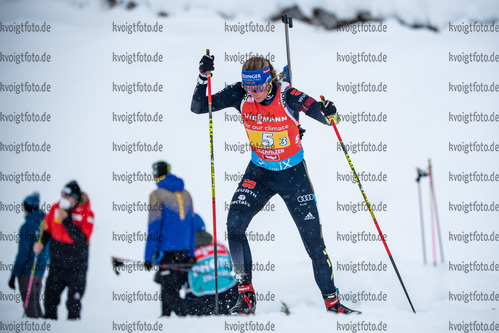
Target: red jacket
[82,216]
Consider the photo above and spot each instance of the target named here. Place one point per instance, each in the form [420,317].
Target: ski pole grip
[208,73]
[287,20]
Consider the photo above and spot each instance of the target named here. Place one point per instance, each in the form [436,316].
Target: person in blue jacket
[170,237]
[28,235]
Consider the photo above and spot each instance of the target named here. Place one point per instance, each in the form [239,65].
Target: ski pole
[30,283]
[212,153]
[288,22]
[117,262]
[434,204]
[369,207]
[421,173]
[432,216]
[187,267]
[32,275]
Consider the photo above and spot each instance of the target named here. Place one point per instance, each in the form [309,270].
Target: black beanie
[160,168]
[72,189]
[32,202]
[203,238]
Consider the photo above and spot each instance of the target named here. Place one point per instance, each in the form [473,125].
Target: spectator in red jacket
[69,225]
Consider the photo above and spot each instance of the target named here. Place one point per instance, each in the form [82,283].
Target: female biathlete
[270,111]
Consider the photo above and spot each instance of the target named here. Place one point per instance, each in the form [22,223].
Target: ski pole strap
[208,75]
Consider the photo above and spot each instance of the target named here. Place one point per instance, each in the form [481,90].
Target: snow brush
[368,206]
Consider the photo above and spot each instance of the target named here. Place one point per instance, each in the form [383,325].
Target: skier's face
[259,96]
[68,201]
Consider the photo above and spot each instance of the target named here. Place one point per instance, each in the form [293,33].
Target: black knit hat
[32,202]
[160,168]
[203,238]
[72,189]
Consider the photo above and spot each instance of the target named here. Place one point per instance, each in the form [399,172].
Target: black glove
[328,108]
[148,265]
[301,131]
[12,282]
[206,64]
[329,111]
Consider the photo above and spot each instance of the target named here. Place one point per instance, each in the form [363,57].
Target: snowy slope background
[417,104]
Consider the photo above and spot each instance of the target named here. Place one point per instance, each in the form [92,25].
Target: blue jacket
[170,219]
[28,235]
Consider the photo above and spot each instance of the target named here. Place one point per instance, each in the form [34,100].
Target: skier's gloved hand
[148,265]
[329,111]
[206,64]
[301,131]
[12,282]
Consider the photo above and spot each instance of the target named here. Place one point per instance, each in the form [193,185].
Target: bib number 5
[269,140]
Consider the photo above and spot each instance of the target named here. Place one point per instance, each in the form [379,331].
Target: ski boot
[246,303]
[333,304]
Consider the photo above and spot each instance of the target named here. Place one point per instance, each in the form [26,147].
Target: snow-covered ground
[418,106]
